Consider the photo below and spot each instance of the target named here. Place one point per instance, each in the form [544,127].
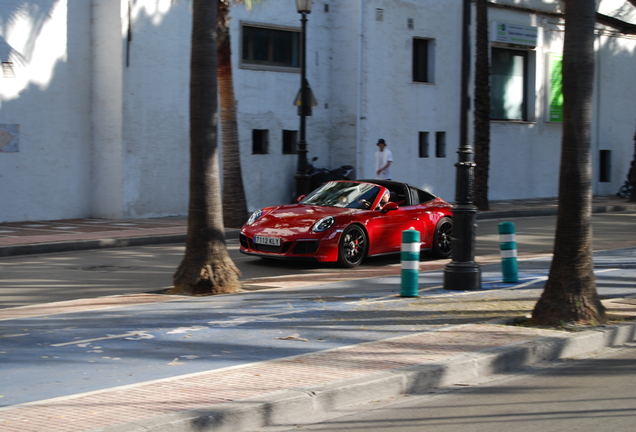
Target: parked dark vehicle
[319,176]
[625,190]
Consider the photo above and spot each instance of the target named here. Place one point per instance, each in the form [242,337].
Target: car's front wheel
[353,246]
[442,245]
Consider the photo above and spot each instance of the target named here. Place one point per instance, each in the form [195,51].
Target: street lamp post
[302,177]
[463,273]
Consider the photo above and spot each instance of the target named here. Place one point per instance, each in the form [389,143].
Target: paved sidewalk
[291,390]
[21,238]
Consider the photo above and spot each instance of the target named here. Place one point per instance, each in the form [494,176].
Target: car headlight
[323,224]
[254,217]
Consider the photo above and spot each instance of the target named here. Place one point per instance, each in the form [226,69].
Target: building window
[7,70]
[440,144]
[423,144]
[290,138]
[509,84]
[260,141]
[265,47]
[422,60]
[605,166]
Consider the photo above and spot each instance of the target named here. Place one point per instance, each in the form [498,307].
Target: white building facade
[94,99]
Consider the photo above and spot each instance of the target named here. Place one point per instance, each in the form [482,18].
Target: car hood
[294,219]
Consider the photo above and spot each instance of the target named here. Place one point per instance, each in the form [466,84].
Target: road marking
[96,339]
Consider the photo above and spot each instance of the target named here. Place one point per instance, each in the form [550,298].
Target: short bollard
[508,248]
[410,258]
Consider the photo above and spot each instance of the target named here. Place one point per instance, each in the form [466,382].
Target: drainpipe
[596,167]
[359,161]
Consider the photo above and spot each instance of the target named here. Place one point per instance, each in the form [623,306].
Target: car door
[385,229]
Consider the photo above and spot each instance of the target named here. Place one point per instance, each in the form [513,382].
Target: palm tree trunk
[206,267]
[570,292]
[234,203]
[482,108]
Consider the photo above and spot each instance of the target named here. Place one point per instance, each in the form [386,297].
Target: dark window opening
[421,60]
[605,168]
[260,140]
[440,144]
[423,144]
[290,138]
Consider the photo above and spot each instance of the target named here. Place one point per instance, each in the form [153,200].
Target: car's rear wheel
[353,246]
[442,245]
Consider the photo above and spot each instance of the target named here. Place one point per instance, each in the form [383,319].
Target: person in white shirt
[383,159]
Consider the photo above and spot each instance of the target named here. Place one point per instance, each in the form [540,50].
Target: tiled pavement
[209,390]
[251,396]
[293,389]
[288,390]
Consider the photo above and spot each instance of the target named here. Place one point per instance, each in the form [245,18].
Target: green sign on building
[556,87]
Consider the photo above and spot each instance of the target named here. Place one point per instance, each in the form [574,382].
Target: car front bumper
[316,249]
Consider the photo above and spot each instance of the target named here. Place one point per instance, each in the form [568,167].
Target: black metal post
[302,177]
[463,273]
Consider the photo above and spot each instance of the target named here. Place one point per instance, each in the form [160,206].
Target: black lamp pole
[463,273]
[302,177]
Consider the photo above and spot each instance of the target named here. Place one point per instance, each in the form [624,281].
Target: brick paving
[23,233]
[209,390]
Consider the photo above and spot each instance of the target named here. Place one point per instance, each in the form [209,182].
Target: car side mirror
[300,198]
[389,206]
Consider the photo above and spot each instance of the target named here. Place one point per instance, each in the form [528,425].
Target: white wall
[104,123]
[614,119]
[49,98]
[156,140]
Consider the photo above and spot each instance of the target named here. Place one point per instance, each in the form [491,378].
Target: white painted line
[531,282]
[97,339]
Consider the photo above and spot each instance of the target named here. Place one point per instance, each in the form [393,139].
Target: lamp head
[303,6]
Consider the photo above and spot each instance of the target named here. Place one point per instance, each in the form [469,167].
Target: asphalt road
[65,354]
[594,394]
[66,276]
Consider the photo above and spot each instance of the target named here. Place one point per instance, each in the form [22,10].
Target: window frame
[243,64]
[429,63]
[526,101]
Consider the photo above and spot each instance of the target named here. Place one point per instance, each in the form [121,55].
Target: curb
[233,234]
[82,245]
[287,407]
[505,214]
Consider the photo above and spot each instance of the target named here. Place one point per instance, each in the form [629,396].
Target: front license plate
[272,241]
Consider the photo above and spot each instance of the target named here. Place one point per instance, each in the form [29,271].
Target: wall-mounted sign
[555,78]
[514,34]
[9,138]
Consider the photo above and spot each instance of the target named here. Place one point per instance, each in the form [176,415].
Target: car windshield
[344,194]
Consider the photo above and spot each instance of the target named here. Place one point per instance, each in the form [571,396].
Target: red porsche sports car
[346,221]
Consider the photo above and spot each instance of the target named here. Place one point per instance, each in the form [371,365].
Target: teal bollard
[410,257]
[508,249]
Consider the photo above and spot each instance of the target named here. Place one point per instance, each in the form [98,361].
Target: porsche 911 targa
[345,221]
